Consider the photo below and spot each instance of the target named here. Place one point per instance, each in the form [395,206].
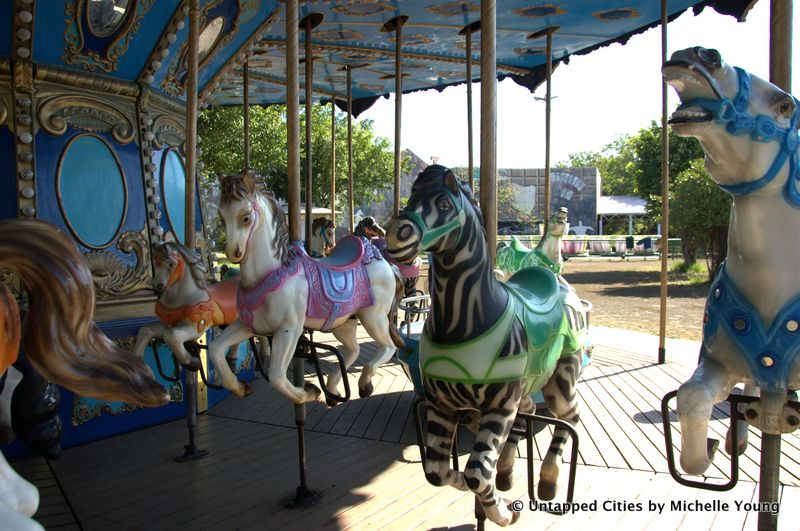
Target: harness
[431,235]
[733,115]
[769,353]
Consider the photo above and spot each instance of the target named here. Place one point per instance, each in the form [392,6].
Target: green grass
[696,273]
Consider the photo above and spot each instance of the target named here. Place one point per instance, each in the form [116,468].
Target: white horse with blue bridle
[751,332]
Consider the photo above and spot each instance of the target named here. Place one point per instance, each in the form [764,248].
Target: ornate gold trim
[85,80]
[152,101]
[24,104]
[84,113]
[5,65]
[168,131]
[111,277]
[161,50]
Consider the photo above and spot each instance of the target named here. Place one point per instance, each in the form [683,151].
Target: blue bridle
[733,115]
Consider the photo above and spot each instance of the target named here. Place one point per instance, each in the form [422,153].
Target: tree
[613,161]
[699,215]
[221,130]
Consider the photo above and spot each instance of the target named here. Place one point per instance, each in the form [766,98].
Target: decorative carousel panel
[90,174]
[173,192]
[8,186]
[92,186]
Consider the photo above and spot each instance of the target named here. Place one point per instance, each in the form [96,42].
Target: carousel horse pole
[60,338]
[478,349]
[748,129]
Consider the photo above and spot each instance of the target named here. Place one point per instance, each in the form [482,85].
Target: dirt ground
[625,294]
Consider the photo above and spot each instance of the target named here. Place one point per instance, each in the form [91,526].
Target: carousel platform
[363,458]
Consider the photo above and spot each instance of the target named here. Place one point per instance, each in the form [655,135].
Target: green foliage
[614,162]
[221,130]
[699,216]
[646,169]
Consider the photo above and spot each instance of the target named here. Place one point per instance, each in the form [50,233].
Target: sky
[597,97]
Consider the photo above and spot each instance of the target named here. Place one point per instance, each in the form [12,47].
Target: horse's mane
[249,184]
[196,267]
[434,177]
[321,224]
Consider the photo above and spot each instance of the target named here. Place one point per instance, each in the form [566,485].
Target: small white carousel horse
[751,332]
[513,256]
[283,291]
[486,345]
[323,238]
[186,306]
[61,340]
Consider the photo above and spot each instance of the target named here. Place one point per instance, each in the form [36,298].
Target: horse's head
[747,126]
[558,226]
[434,218]
[369,228]
[323,231]
[170,261]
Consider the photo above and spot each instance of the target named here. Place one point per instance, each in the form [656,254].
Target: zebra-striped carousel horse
[486,345]
[751,329]
[61,340]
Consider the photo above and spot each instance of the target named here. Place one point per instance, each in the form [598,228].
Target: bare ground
[626,294]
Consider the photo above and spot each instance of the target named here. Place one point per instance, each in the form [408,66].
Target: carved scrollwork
[5,103]
[82,112]
[168,131]
[112,278]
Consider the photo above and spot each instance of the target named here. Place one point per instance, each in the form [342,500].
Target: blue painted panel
[245,371]
[49,151]
[173,190]
[5,28]
[92,191]
[8,184]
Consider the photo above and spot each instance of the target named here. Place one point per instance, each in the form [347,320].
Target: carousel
[116,322]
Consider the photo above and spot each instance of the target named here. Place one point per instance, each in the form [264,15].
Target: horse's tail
[399,293]
[60,336]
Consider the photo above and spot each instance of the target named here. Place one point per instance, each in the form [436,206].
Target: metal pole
[333,162]
[547,97]
[398,107]
[293,119]
[780,44]
[309,93]
[662,328]
[246,114]
[191,122]
[470,168]
[488,191]
[350,148]
[768,486]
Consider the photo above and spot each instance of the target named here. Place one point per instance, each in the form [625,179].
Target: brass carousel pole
[333,161]
[780,74]
[351,201]
[246,113]
[467,31]
[488,191]
[306,23]
[548,97]
[396,25]
[662,329]
[190,450]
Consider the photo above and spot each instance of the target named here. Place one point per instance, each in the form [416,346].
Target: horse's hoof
[308,387]
[546,490]
[331,402]
[711,446]
[740,450]
[242,390]
[504,480]
[366,391]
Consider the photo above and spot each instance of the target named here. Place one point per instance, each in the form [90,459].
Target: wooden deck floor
[363,458]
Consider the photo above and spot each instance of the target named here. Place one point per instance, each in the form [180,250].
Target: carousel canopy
[145,41]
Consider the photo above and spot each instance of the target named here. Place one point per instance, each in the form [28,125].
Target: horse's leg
[283,346]
[15,492]
[496,421]
[234,334]
[562,401]
[145,335]
[741,425]
[346,334]
[377,326]
[176,336]
[440,429]
[709,384]
[505,463]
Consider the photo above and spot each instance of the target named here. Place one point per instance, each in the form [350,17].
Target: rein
[733,115]
[430,235]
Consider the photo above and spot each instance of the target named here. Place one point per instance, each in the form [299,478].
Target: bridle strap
[430,235]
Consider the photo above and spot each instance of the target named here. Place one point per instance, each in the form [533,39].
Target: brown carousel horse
[60,339]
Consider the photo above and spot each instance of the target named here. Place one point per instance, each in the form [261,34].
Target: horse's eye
[246,219]
[786,108]
[443,204]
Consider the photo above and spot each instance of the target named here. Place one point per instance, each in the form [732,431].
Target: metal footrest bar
[310,353]
[735,416]
[154,344]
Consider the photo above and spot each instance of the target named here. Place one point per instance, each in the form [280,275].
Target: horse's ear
[451,182]
[270,194]
[169,237]
[248,181]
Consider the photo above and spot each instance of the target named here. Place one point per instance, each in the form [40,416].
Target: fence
[607,245]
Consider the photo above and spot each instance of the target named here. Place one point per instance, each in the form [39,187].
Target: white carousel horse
[748,130]
[486,345]
[283,291]
[323,238]
[513,256]
[187,306]
[61,340]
